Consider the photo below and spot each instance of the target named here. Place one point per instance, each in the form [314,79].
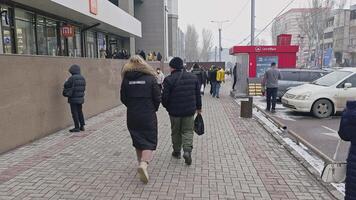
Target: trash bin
[246,108]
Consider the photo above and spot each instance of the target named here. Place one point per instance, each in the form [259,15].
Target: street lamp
[220,24]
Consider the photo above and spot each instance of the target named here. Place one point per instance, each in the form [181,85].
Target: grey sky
[201,12]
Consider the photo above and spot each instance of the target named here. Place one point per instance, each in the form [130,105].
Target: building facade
[340,36]
[153,14]
[89,28]
[288,23]
[172,28]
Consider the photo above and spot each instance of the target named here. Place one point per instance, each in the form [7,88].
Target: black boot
[74,130]
[82,128]
[176,155]
[187,157]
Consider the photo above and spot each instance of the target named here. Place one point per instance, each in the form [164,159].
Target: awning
[111,18]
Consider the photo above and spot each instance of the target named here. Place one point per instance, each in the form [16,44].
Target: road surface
[322,133]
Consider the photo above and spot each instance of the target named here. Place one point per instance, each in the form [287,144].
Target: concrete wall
[151,14]
[31,103]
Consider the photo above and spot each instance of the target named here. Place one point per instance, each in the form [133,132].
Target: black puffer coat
[184,99]
[200,75]
[78,82]
[347,132]
[141,95]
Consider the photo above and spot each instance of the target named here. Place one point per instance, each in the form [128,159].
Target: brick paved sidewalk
[236,159]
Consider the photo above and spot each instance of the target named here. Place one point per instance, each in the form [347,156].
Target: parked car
[325,96]
[295,77]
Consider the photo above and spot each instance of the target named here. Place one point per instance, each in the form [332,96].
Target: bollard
[246,108]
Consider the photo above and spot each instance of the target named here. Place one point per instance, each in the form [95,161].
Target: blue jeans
[271,94]
[216,89]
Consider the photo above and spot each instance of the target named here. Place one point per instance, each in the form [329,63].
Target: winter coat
[213,75]
[200,75]
[347,132]
[220,76]
[78,82]
[141,95]
[181,99]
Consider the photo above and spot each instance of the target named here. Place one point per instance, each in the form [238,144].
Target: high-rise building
[172,28]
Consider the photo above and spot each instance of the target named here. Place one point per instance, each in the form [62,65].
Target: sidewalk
[236,159]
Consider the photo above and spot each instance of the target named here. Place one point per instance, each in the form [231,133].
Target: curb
[309,168]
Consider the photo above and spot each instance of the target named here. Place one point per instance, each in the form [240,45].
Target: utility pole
[216,50]
[253,18]
[220,24]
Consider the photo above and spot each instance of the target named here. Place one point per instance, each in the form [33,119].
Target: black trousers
[233,85]
[77,115]
[271,98]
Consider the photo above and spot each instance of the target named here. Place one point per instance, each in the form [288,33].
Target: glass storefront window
[90,44]
[101,45]
[7,31]
[51,37]
[41,36]
[25,32]
[77,49]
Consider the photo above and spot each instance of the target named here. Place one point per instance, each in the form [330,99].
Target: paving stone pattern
[235,159]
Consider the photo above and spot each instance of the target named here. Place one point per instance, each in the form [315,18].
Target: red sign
[67,31]
[93,6]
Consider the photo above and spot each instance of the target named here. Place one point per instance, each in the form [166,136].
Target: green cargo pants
[182,133]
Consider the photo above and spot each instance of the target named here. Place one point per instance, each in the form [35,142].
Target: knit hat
[176,63]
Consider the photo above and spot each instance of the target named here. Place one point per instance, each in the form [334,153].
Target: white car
[325,96]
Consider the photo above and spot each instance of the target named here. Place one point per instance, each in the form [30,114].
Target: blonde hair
[137,63]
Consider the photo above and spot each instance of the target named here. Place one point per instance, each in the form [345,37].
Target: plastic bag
[199,125]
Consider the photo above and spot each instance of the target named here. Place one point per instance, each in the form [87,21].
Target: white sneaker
[142,172]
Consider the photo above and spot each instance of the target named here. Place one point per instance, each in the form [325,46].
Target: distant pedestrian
[181,97]
[76,85]
[159,57]
[103,53]
[142,54]
[160,78]
[347,132]
[212,78]
[270,81]
[141,95]
[220,78]
[200,75]
[234,74]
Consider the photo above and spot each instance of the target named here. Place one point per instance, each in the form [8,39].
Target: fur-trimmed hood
[144,69]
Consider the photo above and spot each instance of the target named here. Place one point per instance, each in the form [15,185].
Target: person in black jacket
[77,82]
[347,132]
[213,81]
[181,97]
[199,73]
[234,74]
[141,95]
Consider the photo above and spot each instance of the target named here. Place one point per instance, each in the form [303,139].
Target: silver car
[295,77]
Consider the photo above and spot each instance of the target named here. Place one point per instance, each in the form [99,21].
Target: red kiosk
[261,57]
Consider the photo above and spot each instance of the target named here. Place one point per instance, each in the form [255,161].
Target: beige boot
[142,172]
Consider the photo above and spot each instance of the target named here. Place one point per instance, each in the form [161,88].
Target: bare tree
[191,44]
[313,23]
[207,45]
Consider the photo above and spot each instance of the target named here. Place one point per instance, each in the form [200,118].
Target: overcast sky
[201,12]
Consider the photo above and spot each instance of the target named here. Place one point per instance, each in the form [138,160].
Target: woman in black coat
[347,132]
[141,95]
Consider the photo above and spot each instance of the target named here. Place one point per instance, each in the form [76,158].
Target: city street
[235,159]
[322,133]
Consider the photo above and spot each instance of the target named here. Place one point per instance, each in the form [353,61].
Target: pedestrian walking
[159,57]
[181,97]
[74,90]
[143,54]
[347,132]
[220,78]
[270,81]
[160,78]
[141,95]
[212,79]
[234,74]
[200,75]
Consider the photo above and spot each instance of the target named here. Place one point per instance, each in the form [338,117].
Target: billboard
[263,63]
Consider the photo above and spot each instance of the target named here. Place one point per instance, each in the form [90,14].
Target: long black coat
[141,95]
[347,132]
[79,85]
[184,99]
